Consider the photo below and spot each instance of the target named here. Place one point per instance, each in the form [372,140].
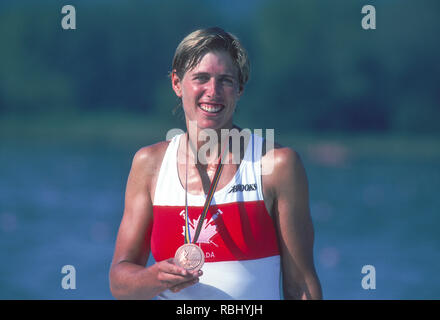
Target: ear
[240,91]
[176,84]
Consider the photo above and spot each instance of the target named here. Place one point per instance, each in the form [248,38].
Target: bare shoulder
[147,161]
[148,157]
[283,171]
[281,162]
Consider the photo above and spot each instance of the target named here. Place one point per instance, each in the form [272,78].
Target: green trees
[312,65]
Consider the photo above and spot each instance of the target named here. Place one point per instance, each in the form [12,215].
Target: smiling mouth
[211,107]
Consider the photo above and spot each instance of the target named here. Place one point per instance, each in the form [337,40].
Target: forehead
[218,62]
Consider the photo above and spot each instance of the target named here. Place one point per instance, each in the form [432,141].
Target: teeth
[210,108]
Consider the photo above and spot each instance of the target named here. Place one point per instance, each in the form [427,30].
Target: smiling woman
[212,62]
[209,91]
[210,242]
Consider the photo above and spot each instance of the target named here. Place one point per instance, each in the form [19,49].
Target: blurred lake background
[362,107]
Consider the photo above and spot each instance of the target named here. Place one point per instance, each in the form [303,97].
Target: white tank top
[238,236]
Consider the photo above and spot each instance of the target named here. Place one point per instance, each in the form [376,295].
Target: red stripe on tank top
[231,232]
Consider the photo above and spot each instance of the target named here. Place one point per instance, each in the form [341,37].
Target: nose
[213,88]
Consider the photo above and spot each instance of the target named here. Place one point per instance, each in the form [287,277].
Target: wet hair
[198,43]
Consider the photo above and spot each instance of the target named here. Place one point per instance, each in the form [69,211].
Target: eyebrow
[207,74]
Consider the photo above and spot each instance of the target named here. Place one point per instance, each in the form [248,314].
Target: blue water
[62,205]
[382,213]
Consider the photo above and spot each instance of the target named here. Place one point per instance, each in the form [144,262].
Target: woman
[256,225]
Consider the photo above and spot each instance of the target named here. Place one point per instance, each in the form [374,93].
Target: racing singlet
[238,237]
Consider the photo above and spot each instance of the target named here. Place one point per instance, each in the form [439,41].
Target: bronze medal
[190,257]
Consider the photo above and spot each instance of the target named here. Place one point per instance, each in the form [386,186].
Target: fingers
[168,266]
[174,277]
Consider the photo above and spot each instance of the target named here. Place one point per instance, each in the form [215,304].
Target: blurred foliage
[312,65]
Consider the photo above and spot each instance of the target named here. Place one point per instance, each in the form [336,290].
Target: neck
[205,146]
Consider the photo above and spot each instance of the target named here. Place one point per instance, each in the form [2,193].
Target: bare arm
[295,229]
[129,279]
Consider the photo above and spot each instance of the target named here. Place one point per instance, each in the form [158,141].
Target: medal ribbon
[208,200]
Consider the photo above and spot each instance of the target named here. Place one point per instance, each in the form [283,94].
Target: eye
[201,78]
[228,81]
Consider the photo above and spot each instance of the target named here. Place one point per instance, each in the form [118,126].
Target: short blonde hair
[195,45]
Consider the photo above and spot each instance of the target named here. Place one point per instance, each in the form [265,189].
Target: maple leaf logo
[209,228]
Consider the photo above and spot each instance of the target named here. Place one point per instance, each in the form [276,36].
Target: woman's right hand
[173,277]
[129,278]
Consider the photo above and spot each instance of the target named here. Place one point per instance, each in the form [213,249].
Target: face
[209,91]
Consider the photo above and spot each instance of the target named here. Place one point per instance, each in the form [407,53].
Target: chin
[210,124]
[215,125]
